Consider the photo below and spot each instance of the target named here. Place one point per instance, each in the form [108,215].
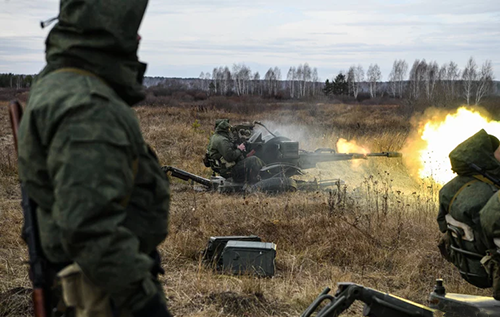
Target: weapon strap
[485,180]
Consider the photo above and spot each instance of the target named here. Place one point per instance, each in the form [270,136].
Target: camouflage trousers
[247,170]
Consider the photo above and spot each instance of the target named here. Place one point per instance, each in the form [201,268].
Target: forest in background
[425,84]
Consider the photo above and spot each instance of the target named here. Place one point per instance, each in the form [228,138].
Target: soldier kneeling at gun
[230,159]
[469,212]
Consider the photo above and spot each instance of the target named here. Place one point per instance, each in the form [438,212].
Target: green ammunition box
[247,257]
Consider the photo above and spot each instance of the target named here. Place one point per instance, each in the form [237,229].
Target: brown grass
[379,230]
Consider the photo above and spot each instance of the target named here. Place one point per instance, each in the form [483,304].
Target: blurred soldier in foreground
[229,159]
[102,198]
[469,228]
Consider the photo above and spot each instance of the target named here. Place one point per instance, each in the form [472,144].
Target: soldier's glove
[153,308]
[242,147]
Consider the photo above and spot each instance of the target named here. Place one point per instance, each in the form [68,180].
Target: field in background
[379,230]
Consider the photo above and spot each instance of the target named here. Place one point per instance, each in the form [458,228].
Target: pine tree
[340,85]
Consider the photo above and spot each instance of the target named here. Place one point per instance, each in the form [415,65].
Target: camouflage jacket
[221,150]
[102,198]
[465,195]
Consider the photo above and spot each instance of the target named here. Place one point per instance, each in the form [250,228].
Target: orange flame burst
[428,151]
[344,146]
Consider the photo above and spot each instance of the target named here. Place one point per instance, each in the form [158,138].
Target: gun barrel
[386,154]
[185,176]
[310,159]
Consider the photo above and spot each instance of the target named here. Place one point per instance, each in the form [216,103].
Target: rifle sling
[485,180]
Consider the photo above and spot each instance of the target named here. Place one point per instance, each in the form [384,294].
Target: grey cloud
[327,33]
[413,8]
[392,23]
[38,8]
[453,7]
[20,45]
[422,7]
[307,47]
[427,35]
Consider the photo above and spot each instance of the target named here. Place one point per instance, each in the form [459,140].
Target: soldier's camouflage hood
[100,37]
[223,126]
[477,149]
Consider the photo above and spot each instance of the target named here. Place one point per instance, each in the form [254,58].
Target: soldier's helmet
[218,121]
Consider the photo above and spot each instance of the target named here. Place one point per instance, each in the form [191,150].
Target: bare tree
[201,84]
[397,77]
[403,70]
[237,79]
[277,79]
[469,76]
[216,80]
[374,76]
[298,76]
[246,75]
[430,78]
[484,83]
[355,76]
[452,76]
[359,77]
[290,77]
[417,79]
[241,77]
[257,87]
[315,80]
[269,78]
[351,80]
[306,77]
[226,80]
[393,83]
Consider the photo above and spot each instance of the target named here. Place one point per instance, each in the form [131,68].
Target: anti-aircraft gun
[280,151]
[379,304]
[283,159]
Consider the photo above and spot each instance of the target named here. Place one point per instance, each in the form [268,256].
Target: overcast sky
[183,38]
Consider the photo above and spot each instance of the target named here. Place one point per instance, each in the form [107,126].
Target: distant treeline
[16,81]
[424,84]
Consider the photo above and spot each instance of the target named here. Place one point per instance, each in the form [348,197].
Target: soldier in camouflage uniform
[228,159]
[461,203]
[102,198]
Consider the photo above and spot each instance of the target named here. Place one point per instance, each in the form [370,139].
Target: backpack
[460,246]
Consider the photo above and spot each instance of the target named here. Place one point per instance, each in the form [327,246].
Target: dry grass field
[378,230]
